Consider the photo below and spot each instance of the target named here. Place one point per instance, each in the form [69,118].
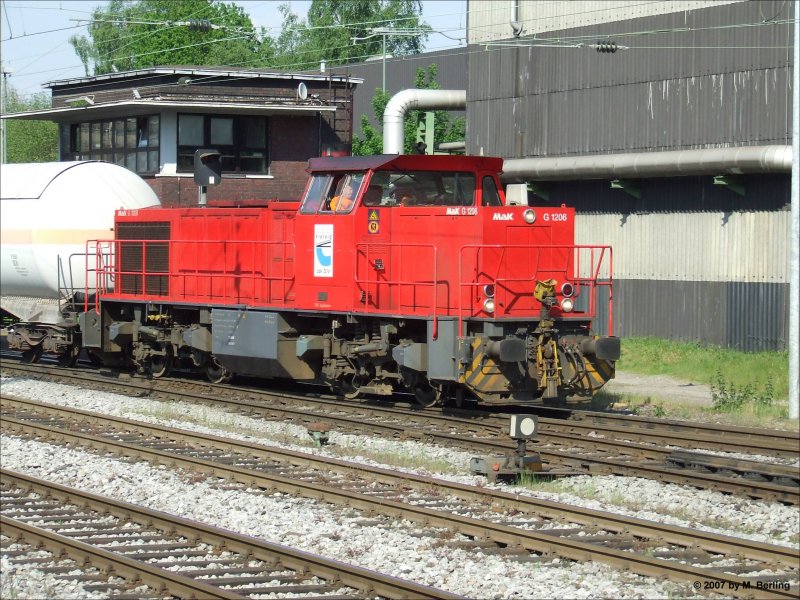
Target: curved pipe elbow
[414,99]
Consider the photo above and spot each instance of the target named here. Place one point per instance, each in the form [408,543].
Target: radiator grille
[138,256]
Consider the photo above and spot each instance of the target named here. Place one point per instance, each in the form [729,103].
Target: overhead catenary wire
[302,65]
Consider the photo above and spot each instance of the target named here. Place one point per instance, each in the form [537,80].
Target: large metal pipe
[414,99]
[713,161]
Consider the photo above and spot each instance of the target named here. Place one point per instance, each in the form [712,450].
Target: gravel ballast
[397,549]
[684,506]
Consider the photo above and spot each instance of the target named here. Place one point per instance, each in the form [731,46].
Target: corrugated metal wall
[733,247]
[692,260]
[744,316]
[489,19]
[400,73]
[721,84]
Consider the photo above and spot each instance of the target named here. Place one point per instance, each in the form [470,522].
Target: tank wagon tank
[48,211]
[391,273]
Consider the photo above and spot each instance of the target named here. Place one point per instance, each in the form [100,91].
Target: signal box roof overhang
[145,107]
[226,90]
[206,72]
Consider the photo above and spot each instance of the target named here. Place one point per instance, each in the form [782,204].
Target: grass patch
[407,460]
[702,364]
[768,416]
[226,422]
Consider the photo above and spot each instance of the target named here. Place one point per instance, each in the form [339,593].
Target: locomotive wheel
[427,395]
[69,357]
[216,373]
[161,364]
[32,355]
[94,358]
[350,387]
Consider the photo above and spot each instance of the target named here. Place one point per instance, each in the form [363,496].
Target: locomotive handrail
[398,282]
[573,252]
[225,280]
[178,278]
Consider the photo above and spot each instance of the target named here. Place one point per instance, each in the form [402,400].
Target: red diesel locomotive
[393,272]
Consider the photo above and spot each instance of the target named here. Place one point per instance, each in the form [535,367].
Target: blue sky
[34,33]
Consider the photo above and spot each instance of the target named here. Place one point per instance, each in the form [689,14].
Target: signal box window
[241,140]
[133,142]
[420,188]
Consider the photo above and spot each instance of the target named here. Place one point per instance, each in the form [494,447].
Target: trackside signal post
[207,171]
[511,466]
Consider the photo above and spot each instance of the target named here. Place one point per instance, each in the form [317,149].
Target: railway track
[172,556]
[578,445]
[495,521]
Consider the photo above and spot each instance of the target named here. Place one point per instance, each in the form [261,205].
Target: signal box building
[266,125]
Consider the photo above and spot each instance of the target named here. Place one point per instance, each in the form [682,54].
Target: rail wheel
[215,372]
[427,395]
[32,355]
[69,357]
[351,386]
[161,364]
[94,358]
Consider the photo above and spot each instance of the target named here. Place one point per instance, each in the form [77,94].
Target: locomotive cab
[395,239]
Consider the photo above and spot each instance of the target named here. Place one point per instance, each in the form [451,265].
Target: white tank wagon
[48,211]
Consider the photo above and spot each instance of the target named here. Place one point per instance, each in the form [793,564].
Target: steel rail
[160,579]
[755,482]
[503,534]
[366,581]
[707,436]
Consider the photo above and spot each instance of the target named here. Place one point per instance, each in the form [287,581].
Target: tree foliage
[134,34]
[446,127]
[29,141]
[341,31]
[131,34]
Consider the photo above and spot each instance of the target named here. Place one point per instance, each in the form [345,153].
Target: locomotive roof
[408,162]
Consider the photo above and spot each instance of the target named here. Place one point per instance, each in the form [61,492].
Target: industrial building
[668,126]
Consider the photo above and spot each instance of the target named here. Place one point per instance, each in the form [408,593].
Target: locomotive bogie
[35,340]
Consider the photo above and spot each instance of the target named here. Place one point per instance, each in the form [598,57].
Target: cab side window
[316,193]
[489,194]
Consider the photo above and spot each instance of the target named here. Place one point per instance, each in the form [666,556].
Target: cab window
[342,196]
[335,193]
[420,188]
[489,194]
[316,191]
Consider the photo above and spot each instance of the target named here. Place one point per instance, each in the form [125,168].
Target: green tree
[446,127]
[29,141]
[331,25]
[136,34]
